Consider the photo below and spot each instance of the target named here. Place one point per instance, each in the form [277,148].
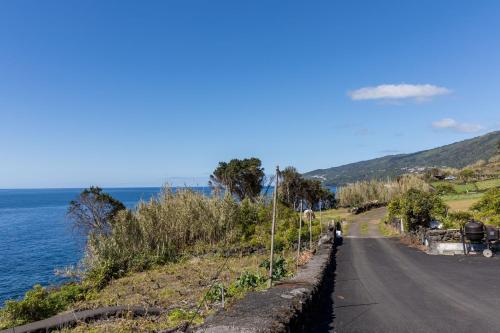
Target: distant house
[450,178]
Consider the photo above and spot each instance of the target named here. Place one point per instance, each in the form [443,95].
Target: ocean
[36,238]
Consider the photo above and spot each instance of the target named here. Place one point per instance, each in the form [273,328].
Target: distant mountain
[455,155]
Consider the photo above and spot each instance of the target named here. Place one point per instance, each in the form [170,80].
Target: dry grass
[364,228]
[123,325]
[387,230]
[345,228]
[174,287]
[334,214]
[364,192]
[461,205]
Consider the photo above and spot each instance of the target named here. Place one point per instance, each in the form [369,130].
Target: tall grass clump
[364,192]
[184,222]
[162,229]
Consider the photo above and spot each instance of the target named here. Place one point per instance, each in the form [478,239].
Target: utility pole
[300,232]
[275,199]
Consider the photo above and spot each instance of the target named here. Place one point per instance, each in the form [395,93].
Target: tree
[314,192]
[466,174]
[241,178]
[290,186]
[293,187]
[93,211]
[311,189]
[417,208]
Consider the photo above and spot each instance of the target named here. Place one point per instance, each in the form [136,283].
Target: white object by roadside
[436,225]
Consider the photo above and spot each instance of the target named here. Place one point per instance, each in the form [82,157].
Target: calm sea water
[35,237]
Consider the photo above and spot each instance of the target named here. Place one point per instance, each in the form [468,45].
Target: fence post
[320,220]
[300,233]
[310,231]
[275,199]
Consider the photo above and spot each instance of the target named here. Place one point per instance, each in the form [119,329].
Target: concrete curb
[72,318]
[287,307]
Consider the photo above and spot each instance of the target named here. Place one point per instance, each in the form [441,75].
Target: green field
[487,184]
[467,194]
[461,196]
[482,185]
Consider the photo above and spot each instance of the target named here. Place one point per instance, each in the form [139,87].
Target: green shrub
[178,316]
[456,220]
[216,292]
[488,207]
[279,267]
[100,274]
[40,303]
[417,208]
[248,218]
[247,281]
[444,188]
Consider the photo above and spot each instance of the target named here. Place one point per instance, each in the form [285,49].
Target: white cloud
[448,123]
[398,91]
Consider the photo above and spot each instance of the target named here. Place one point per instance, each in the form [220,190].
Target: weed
[39,303]
[364,228]
[279,267]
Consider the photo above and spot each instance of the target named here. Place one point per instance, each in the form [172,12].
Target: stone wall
[448,235]
[286,307]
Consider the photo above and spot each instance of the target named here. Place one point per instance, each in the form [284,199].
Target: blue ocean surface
[36,238]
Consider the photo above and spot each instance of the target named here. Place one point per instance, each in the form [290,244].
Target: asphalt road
[381,285]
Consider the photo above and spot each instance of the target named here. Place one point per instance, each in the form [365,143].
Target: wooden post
[275,199]
[310,230]
[320,221]
[300,233]
[222,292]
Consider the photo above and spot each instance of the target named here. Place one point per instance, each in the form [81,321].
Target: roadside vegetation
[166,251]
[416,209]
[487,208]
[363,193]
[468,193]
[364,228]
[387,230]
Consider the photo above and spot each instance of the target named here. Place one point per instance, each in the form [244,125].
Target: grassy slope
[334,214]
[461,205]
[467,194]
[387,230]
[177,287]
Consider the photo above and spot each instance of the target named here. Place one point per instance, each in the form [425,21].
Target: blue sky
[136,93]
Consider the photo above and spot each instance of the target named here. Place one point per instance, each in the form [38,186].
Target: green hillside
[455,155]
